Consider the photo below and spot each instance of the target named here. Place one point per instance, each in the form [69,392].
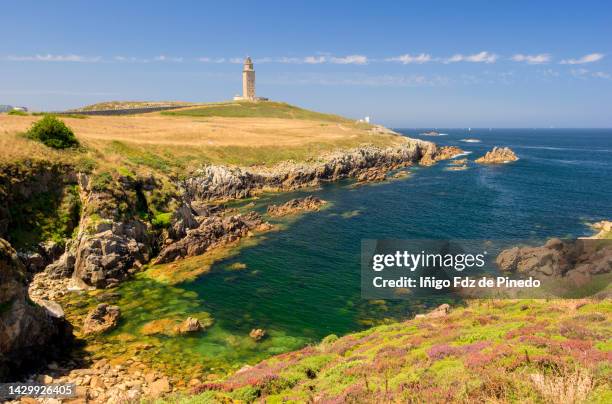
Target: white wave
[470,140]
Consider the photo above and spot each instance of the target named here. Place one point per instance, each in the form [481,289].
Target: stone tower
[248,80]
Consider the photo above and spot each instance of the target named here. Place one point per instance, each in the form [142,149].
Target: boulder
[189,325]
[308,204]
[257,334]
[101,319]
[159,387]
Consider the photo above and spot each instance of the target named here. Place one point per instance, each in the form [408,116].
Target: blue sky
[405,64]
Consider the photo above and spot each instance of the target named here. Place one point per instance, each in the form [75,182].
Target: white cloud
[482,57]
[532,59]
[602,75]
[164,58]
[54,58]
[408,59]
[313,60]
[236,60]
[590,58]
[350,59]
[361,80]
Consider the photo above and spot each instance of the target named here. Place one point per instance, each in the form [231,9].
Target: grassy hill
[489,351]
[266,109]
[176,142]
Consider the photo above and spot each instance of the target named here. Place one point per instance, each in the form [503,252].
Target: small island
[498,155]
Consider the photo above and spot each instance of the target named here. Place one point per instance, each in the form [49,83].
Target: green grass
[263,109]
[51,215]
[488,351]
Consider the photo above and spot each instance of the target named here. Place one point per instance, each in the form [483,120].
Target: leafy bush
[17,112]
[53,133]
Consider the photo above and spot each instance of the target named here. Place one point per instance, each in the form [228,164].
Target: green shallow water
[302,283]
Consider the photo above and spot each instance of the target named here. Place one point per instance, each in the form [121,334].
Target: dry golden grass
[179,143]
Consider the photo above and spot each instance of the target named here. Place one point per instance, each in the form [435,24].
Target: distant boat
[470,140]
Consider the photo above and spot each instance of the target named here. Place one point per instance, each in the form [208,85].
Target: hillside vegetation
[489,351]
[267,109]
[174,143]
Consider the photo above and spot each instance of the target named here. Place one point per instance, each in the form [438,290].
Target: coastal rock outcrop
[498,155]
[576,260]
[189,325]
[434,154]
[221,183]
[213,231]
[101,319]
[308,204]
[29,333]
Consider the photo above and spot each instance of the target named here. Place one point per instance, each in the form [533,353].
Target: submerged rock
[308,204]
[498,155]
[101,319]
[189,325]
[257,334]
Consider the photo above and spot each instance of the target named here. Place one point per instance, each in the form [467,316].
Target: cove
[302,283]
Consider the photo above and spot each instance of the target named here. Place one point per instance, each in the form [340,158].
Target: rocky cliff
[29,333]
[126,221]
[220,182]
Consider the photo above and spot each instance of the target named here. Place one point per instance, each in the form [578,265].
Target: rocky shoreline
[111,242]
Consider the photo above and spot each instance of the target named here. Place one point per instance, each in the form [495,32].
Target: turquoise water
[303,283]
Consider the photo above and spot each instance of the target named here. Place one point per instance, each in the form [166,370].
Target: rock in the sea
[308,204]
[559,258]
[29,334]
[101,319]
[213,231]
[257,334]
[498,155]
[189,325]
[434,154]
[373,174]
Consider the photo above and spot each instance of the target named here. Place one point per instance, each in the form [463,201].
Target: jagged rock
[308,204]
[189,325]
[101,319]
[257,334]
[213,231]
[577,260]
[219,182]
[63,267]
[374,174]
[498,155]
[28,333]
[111,252]
[433,154]
[183,219]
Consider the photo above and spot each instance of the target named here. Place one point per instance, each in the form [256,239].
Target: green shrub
[53,133]
[17,112]
[330,339]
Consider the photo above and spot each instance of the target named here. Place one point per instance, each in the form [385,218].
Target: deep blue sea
[303,283]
